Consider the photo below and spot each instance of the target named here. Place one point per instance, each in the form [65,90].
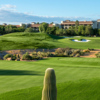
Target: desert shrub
[43,54]
[69,52]
[72,55]
[97,55]
[7,56]
[77,55]
[26,57]
[18,56]
[87,50]
[81,53]
[59,55]
[76,51]
[37,53]
[36,57]
[60,50]
[90,49]
[66,54]
[14,57]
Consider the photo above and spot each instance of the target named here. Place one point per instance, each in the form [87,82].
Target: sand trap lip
[83,40]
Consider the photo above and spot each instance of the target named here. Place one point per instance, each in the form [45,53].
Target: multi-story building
[66,24]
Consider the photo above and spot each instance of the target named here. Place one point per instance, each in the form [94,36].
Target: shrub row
[60,52]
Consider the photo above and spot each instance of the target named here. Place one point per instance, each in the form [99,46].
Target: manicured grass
[93,43]
[22,40]
[77,78]
[28,41]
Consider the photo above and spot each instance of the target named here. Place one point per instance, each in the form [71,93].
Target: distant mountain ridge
[10,17]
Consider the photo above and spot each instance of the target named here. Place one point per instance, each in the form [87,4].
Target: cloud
[9,15]
[8,7]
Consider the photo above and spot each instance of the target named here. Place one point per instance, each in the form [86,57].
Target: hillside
[42,40]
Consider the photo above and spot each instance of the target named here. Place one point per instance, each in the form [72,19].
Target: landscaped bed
[39,55]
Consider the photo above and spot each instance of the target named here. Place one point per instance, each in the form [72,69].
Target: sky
[27,11]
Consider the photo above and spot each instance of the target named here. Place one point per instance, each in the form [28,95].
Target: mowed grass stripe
[80,90]
[32,73]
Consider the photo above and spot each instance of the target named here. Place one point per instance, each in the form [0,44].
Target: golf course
[24,40]
[77,78]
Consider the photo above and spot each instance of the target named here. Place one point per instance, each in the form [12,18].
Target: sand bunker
[82,40]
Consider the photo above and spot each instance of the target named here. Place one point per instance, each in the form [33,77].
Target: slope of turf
[93,43]
[22,40]
[77,78]
[28,41]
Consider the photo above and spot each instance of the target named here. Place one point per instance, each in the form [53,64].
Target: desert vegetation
[60,52]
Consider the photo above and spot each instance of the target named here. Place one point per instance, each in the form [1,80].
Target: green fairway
[22,40]
[93,43]
[77,78]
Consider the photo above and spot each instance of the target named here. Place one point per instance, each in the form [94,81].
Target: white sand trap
[83,40]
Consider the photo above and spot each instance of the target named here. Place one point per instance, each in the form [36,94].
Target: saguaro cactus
[49,91]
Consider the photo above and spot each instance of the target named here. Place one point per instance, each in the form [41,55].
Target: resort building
[66,24]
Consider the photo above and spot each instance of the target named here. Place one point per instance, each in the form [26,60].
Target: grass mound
[26,40]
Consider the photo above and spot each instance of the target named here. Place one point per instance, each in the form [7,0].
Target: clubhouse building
[66,24]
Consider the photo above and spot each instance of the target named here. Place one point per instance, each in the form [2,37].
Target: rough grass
[23,40]
[77,78]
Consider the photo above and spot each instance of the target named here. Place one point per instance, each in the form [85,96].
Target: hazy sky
[89,9]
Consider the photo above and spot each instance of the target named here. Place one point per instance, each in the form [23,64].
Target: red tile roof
[35,25]
[17,26]
[80,23]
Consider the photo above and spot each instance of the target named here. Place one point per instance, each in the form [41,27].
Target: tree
[80,29]
[52,30]
[76,30]
[24,26]
[43,27]
[51,22]
[88,30]
[29,30]
[8,29]
[77,23]
[38,23]
[99,32]
[83,32]
[64,32]
[59,32]
[2,29]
